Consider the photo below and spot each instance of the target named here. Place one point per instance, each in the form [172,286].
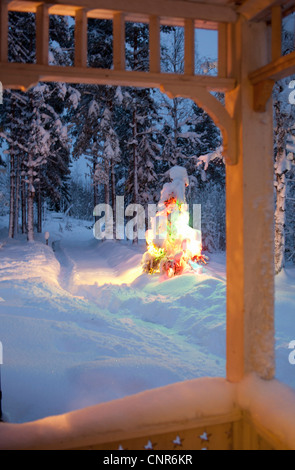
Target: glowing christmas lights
[172,245]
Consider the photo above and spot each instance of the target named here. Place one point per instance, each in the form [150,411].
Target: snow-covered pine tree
[29,128]
[174,111]
[209,192]
[141,148]
[100,43]
[48,158]
[188,134]
[111,155]
[143,151]
[206,170]
[38,151]
[61,41]
[54,176]
[96,138]
[87,131]
[206,139]
[142,183]
[143,110]
[85,119]
[179,132]
[80,194]
[21,37]
[137,46]
[14,127]
[21,42]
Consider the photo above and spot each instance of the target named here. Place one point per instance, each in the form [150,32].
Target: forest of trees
[129,138]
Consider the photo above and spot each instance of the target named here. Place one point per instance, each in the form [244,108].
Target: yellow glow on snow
[91,278]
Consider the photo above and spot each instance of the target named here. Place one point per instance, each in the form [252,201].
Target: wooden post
[81,38]
[119,41]
[222,50]
[250,214]
[276,32]
[231,51]
[42,34]
[189,47]
[3,31]
[154,45]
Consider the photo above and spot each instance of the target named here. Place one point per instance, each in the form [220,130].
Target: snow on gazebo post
[250,213]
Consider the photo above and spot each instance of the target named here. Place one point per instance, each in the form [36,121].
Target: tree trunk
[107,184]
[23,202]
[39,211]
[280,220]
[135,164]
[11,232]
[30,235]
[95,195]
[113,183]
[280,187]
[135,159]
[31,195]
[17,195]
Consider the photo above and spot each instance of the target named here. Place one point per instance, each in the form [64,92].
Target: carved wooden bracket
[23,81]
[261,93]
[24,76]
[220,116]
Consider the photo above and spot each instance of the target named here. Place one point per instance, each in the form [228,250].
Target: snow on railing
[169,417]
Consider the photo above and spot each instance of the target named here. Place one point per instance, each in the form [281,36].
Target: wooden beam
[231,51]
[253,8]
[119,41]
[276,32]
[275,70]
[3,31]
[14,74]
[189,47]
[167,8]
[81,38]
[42,34]
[155,46]
[222,50]
[70,10]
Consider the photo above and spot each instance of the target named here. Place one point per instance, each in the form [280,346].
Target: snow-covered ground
[81,325]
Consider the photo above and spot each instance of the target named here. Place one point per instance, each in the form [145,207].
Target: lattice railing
[188,84]
[239,434]
[81,14]
[219,436]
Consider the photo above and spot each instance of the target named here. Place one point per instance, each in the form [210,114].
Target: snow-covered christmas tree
[173,247]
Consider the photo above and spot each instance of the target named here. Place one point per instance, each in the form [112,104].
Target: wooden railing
[201,414]
[238,434]
[81,14]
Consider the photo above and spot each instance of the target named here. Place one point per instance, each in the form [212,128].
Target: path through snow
[82,325]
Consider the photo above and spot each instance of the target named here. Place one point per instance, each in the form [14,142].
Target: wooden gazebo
[249,409]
